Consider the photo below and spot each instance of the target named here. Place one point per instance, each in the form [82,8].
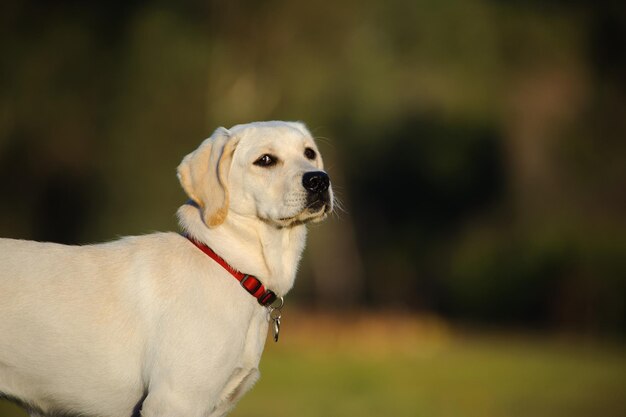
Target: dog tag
[275,317]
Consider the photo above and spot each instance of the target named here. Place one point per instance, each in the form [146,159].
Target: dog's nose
[316,181]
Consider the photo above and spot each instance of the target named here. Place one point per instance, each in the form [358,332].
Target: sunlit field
[399,366]
[396,365]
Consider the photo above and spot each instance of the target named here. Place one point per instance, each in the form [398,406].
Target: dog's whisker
[338,204]
[325,140]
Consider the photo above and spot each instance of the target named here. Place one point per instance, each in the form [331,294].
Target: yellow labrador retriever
[166,324]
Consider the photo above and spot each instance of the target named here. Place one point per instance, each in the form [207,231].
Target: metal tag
[275,317]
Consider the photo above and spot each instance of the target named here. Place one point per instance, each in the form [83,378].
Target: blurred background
[477,265]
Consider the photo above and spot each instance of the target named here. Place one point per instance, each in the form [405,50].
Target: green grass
[464,378]
[400,366]
[384,367]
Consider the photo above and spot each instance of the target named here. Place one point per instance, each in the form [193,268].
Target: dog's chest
[255,339]
[246,372]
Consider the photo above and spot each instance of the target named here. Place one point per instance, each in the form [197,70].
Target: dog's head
[270,170]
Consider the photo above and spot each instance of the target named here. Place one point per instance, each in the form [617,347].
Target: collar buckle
[250,284]
[268,298]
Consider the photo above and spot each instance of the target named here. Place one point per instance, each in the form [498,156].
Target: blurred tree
[477,145]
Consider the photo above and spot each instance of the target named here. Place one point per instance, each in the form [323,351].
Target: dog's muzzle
[317,184]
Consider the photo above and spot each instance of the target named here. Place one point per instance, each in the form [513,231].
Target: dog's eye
[310,153]
[266,161]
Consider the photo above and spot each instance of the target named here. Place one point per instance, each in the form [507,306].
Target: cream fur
[93,329]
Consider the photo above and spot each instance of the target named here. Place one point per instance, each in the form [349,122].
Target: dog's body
[151,321]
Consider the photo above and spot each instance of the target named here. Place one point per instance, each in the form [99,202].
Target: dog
[150,325]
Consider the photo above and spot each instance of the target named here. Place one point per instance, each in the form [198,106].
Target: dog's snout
[316,181]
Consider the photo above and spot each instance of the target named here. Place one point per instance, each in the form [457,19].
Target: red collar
[250,283]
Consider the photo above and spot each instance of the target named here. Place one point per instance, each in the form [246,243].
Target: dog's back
[60,315]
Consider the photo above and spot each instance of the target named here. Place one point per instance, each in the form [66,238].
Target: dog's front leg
[239,384]
[168,403]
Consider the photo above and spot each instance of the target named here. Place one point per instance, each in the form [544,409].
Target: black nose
[316,181]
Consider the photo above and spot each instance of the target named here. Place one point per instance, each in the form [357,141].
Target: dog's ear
[203,175]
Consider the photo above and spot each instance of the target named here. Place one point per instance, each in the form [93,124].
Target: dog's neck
[251,246]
